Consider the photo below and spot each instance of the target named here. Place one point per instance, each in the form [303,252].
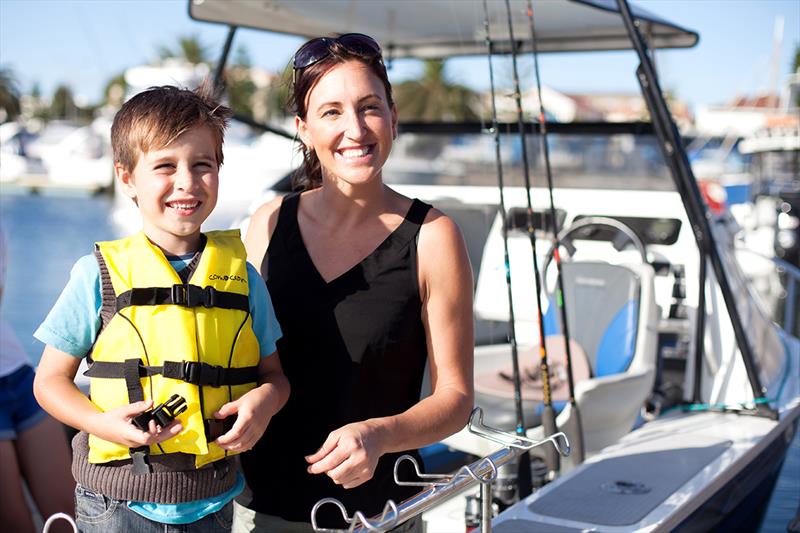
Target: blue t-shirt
[72,324]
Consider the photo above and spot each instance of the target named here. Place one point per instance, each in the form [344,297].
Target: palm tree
[114,92]
[63,105]
[278,94]
[9,93]
[189,48]
[241,88]
[433,97]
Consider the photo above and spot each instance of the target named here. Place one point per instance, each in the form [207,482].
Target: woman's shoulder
[260,228]
[267,210]
[438,226]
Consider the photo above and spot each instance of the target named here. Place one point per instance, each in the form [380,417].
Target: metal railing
[789,275]
[440,488]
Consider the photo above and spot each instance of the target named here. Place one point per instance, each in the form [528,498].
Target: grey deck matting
[529,526]
[581,498]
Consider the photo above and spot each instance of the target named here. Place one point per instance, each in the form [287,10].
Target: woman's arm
[56,392]
[259,231]
[350,453]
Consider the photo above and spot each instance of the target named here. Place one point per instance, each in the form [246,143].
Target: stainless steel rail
[440,488]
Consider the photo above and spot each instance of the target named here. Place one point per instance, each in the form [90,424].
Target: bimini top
[446,28]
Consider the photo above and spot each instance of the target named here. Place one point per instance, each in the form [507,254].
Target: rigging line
[577,440]
[548,413]
[524,483]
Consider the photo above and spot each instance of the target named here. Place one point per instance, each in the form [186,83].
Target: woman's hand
[349,455]
[253,413]
[115,426]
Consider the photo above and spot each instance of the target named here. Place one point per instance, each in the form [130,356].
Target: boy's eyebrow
[168,157]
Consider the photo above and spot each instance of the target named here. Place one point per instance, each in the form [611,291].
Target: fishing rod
[524,482]
[548,413]
[577,437]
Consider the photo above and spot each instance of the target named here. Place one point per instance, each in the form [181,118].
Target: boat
[685,382]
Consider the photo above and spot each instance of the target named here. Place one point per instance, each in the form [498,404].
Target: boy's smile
[175,188]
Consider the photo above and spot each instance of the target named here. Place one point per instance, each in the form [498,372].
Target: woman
[368,286]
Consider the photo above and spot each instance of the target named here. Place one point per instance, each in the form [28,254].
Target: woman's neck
[344,204]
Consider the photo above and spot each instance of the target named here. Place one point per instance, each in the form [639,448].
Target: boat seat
[612,320]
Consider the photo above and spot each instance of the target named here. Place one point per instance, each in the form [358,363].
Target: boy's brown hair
[154,118]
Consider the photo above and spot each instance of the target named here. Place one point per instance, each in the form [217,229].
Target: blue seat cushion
[615,352]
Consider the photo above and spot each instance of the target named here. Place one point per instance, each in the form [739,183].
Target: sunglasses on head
[318,49]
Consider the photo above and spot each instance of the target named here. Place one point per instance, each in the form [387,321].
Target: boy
[178,331]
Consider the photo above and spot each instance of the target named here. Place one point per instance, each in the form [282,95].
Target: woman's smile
[356,154]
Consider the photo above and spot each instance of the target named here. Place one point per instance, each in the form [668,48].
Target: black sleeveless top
[352,349]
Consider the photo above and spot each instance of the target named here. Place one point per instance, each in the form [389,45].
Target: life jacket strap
[130,371]
[194,372]
[141,460]
[184,294]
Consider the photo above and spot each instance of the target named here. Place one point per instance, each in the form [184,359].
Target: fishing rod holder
[387,520]
[438,488]
[514,440]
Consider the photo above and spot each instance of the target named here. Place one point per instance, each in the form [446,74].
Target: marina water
[47,234]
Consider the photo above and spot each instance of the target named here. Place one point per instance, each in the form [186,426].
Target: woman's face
[349,123]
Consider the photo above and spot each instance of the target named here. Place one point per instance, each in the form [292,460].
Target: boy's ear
[125,178]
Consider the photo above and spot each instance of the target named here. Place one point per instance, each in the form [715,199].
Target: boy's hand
[115,426]
[252,412]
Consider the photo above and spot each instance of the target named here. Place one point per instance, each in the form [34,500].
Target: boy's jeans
[96,513]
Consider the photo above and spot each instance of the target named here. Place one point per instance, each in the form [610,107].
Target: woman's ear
[302,132]
[394,121]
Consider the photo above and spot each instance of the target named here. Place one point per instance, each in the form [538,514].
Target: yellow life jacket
[167,337]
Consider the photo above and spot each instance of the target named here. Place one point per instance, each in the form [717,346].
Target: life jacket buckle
[163,413]
[180,294]
[193,296]
[203,374]
[212,375]
[191,372]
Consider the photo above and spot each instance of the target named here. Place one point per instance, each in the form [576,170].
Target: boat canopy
[429,29]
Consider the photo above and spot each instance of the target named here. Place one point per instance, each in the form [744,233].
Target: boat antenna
[524,482]
[577,437]
[548,413]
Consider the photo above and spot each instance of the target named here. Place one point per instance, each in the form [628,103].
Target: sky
[84,43]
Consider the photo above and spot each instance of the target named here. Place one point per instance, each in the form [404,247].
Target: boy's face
[175,188]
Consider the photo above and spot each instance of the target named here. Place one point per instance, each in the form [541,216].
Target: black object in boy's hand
[163,414]
[218,427]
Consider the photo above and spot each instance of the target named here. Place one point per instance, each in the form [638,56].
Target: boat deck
[654,478]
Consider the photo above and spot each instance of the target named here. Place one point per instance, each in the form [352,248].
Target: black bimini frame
[696,210]
[675,157]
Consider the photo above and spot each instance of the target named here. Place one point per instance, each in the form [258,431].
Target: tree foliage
[62,105]
[189,48]
[278,95]
[239,83]
[9,93]
[115,89]
[433,97]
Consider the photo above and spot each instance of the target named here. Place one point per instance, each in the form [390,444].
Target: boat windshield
[621,161]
